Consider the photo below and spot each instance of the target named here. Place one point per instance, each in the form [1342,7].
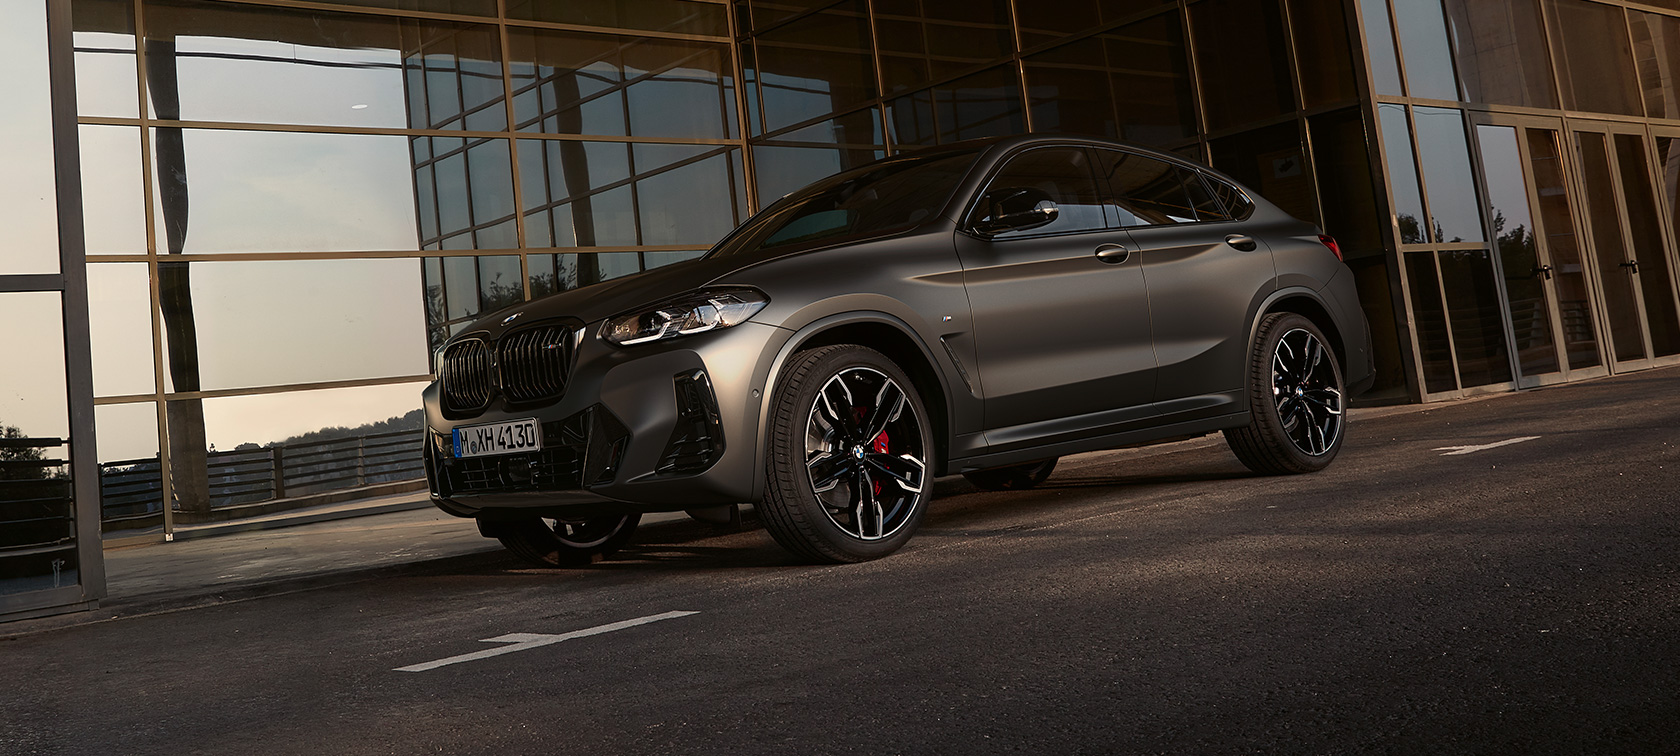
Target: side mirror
[1015,209]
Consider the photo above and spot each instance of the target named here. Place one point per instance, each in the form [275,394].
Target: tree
[11,451]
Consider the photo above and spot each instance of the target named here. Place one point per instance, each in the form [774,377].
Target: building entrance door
[1631,257]
[1555,334]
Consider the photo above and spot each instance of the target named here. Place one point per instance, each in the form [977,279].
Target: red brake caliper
[879,446]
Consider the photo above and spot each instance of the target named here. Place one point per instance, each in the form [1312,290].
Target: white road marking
[528,641]
[1455,450]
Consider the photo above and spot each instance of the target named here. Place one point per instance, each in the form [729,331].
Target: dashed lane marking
[528,641]
[1456,450]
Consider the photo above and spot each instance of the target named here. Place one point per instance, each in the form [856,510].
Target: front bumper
[658,427]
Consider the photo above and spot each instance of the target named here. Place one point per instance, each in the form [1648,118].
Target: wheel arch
[1307,304]
[885,334]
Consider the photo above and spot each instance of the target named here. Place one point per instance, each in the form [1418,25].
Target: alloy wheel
[865,457]
[1307,392]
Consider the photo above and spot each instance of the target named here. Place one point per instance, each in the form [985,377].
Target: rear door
[1062,335]
[1204,276]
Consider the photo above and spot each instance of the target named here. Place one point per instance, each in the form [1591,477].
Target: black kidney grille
[534,363]
[466,375]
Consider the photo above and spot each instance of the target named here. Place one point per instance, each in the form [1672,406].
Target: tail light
[1331,243]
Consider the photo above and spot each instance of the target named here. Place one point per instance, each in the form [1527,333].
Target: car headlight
[702,311]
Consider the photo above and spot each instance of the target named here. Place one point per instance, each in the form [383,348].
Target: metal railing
[133,489]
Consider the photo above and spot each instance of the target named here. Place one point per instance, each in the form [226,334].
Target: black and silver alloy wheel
[863,458]
[1297,403]
[848,462]
[1307,392]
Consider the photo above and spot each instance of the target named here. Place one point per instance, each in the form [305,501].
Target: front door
[1062,334]
[1547,295]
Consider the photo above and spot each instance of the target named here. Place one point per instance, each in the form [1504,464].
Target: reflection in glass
[1656,48]
[37,522]
[291,445]
[120,317]
[1500,48]
[620,85]
[1649,251]
[1323,52]
[781,170]
[1472,294]
[981,105]
[1402,173]
[1609,249]
[28,209]
[815,66]
[1064,175]
[460,287]
[694,200]
[255,191]
[1423,44]
[500,282]
[458,7]
[1269,160]
[1575,311]
[1515,236]
[130,472]
[1133,83]
[1242,61]
[1445,158]
[1147,192]
[680,16]
[570,270]
[924,40]
[1342,167]
[584,193]
[1429,323]
[113,202]
[1379,45]
[1047,22]
[105,62]
[273,323]
[910,120]
[1594,64]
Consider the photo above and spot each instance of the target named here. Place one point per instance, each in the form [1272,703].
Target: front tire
[563,543]
[850,447]
[1297,403]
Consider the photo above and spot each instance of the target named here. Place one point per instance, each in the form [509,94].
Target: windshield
[878,198]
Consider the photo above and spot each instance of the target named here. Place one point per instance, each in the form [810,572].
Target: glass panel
[253,191]
[491,174]
[120,314]
[1519,255]
[620,85]
[574,270]
[130,474]
[228,451]
[460,286]
[37,510]
[1242,61]
[1649,249]
[1379,43]
[113,195]
[1580,335]
[1133,83]
[1270,161]
[1593,61]
[500,282]
[1656,47]
[815,66]
[1062,174]
[1068,90]
[28,207]
[984,104]
[1323,53]
[105,59]
[1342,166]
[1047,22]
[1402,173]
[924,40]
[692,203]
[222,62]
[911,119]
[459,7]
[1423,43]
[1500,48]
[1429,322]
[1608,247]
[1478,329]
[1145,191]
[680,16]
[266,323]
[1445,159]
[793,159]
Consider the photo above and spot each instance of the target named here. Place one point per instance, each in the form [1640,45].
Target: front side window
[1150,192]
[1058,175]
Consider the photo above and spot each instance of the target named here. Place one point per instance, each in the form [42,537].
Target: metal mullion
[148,191]
[1195,74]
[623,139]
[1672,233]
[749,167]
[1664,224]
[1022,51]
[615,30]
[363,10]
[1020,71]
[873,103]
[1485,211]
[635,177]
[795,18]
[1612,153]
[31,282]
[1531,193]
[291,387]
[622,86]
[520,239]
[1446,315]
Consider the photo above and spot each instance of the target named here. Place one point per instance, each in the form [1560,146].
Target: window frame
[971,215]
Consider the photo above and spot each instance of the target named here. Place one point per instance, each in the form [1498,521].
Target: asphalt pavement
[1487,577]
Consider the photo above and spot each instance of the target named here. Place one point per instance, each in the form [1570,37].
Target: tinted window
[1060,174]
[884,197]
[1146,191]
[1237,204]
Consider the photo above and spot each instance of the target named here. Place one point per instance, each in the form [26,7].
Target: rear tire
[850,446]
[1012,478]
[1296,400]
[563,543]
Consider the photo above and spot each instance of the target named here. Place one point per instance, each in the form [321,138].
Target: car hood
[608,298]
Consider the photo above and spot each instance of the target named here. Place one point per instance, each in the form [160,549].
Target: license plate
[498,438]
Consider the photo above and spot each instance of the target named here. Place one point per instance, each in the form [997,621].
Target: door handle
[1632,266]
[1244,243]
[1113,254]
[1544,271]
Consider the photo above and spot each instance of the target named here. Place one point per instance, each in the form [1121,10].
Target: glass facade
[287,205]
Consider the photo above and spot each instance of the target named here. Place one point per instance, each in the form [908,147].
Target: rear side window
[1237,204]
[1144,191]
[1061,174]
